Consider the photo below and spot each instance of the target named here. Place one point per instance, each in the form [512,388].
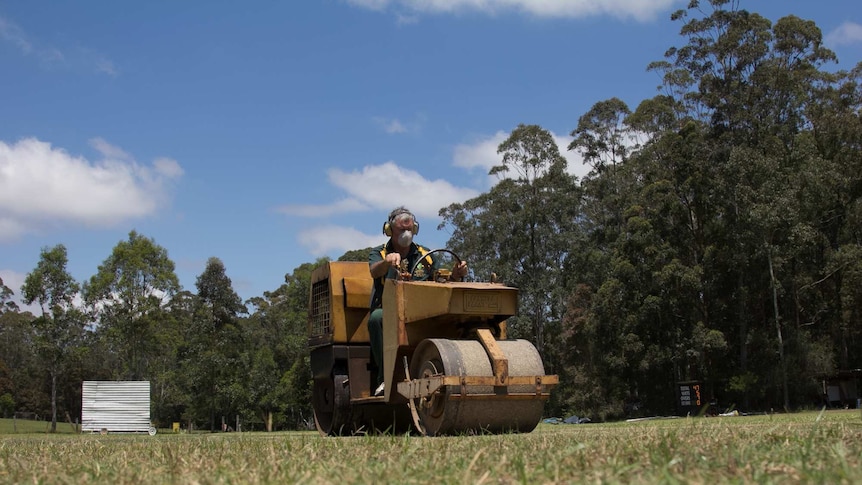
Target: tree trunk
[53,400]
[268,421]
[742,320]
[781,361]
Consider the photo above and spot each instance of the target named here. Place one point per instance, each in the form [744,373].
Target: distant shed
[116,407]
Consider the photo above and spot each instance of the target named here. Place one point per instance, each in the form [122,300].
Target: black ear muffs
[387,228]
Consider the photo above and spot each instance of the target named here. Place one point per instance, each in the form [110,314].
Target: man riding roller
[385,262]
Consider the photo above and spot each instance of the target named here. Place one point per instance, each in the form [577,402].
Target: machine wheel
[445,413]
[331,403]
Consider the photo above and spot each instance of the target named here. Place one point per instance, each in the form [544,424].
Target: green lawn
[25,426]
[791,448]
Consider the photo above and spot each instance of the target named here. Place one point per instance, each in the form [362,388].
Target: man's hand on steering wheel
[459,271]
[459,268]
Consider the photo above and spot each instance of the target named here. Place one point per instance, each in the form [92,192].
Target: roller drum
[444,413]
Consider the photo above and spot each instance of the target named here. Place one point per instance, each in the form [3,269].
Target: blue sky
[270,133]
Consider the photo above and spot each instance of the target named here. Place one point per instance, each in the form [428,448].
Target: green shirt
[416,252]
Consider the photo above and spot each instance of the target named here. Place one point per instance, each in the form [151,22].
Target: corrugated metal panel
[117,406]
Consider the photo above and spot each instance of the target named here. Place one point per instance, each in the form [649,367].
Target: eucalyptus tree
[633,321]
[598,346]
[676,196]
[602,136]
[356,255]
[522,227]
[7,304]
[727,227]
[21,374]
[707,79]
[60,327]
[280,379]
[129,295]
[749,89]
[832,200]
[604,141]
[170,392]
[296,380]
[215,343]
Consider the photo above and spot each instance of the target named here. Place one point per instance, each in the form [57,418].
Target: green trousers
[375,335]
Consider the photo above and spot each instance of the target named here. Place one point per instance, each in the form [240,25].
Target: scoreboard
[689,397]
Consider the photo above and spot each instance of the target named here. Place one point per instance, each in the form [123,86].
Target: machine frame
[432,316]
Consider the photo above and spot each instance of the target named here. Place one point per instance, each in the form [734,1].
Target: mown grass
[794,448]
[26,426]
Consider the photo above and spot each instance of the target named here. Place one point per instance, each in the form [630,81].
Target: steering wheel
[419,261]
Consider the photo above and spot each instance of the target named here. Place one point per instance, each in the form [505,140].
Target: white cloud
[395,126]
[846,34]
[168,167]
[641,10]
[105,66]
[574,160]
[43,186]
[402,19]
[392,126]
[10,227]
[16,36]
[379,188]
[14,280]
[333,239]
[342,206]
[12,33]
[109,151]
[373,188]
[395,185]
[49,56]
[370,4]
[482,155]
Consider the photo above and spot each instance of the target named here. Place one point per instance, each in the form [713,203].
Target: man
[385,262]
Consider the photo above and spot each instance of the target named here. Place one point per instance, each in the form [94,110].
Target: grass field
[24,426]
[790,448]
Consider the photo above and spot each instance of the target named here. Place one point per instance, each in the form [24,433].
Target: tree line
[717,238]
[208,355]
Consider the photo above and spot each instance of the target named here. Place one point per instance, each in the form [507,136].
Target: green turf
[26,426]
[790,448]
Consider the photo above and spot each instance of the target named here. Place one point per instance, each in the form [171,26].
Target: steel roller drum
[445,413]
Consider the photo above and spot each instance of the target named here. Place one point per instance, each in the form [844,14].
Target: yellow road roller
[448,366]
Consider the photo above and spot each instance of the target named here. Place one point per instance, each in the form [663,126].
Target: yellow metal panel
[416,310]
[346,316]
[358,291]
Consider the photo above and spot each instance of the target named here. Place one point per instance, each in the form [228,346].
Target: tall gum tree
[59,329]
[756,188]
[213,358]
[129,294]
[280,376]
[7,304]
[729,236]
[520,229]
